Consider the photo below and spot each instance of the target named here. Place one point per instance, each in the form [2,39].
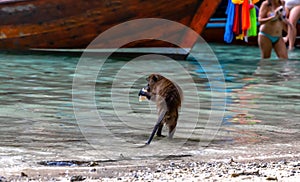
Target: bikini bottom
[273,39]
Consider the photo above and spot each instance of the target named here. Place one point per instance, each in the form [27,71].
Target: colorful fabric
[228,36]
[237,20]
[241,20]
[255,1]
[253,25]
[245,16]
[237,1]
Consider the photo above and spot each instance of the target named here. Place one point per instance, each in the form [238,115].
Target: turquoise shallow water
[37,120]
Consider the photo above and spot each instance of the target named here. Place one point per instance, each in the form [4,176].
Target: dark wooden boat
[69,24]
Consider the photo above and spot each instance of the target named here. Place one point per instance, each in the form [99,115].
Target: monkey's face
[152,80]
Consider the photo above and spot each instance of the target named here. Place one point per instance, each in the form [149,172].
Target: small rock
[192,164]
[271,178]
[172,164]
[296,164]
[93,170]
[23,174]
[2,179]
[92,164]
[283,162]
[264,165]
[235,175]
[246,178]
[206,176]
[158,170]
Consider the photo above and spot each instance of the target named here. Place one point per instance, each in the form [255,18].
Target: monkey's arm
[160,118]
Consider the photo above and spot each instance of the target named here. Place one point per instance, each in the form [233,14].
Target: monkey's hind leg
[159,130]
[172,128]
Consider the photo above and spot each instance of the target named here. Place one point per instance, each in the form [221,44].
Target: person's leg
[294,16]
[265,46]
[286,38]
[280,49]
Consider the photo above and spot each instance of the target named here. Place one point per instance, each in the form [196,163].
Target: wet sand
[258,162]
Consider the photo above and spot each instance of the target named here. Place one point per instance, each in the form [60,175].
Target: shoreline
[180,170]
[275,163]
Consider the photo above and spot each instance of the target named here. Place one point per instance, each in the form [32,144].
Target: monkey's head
[147,91]
[152,80]
[160,87]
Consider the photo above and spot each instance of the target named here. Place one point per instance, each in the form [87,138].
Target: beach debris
[246,173]
[74,163]
[77,178]
[58,163]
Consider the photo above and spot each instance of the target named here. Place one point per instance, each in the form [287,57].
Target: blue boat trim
[211,23]
[215,25]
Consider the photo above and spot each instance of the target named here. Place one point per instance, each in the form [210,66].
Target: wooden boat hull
[69,24]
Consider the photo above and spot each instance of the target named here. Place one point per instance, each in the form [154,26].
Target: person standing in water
[293,14]
[272,23]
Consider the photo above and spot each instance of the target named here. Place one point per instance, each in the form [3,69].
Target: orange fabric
[245,16]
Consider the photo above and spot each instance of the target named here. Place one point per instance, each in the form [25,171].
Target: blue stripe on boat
[211,23]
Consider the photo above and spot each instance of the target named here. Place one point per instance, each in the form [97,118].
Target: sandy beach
[267,162]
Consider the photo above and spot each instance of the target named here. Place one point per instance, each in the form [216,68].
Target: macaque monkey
[168,97]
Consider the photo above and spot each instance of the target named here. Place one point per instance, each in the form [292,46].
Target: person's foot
[291,48]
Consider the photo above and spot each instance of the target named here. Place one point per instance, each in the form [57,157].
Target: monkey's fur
[168,97]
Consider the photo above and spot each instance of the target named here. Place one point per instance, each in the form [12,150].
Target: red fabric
[236,24]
